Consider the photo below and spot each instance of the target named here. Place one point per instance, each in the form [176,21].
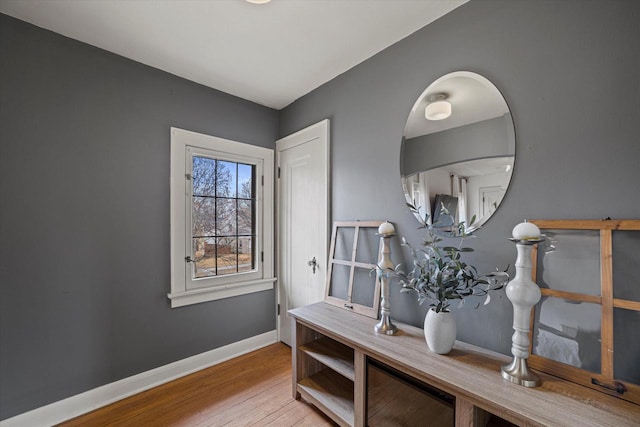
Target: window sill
[195,296]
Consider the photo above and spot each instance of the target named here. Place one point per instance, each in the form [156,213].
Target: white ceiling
[271,54]
[473,99]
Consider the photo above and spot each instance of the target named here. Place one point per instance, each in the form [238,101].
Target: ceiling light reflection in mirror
[462,155]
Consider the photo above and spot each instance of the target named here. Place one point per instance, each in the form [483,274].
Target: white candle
[526,231]
[386,228]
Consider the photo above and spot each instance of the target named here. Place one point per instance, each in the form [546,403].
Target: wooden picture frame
[613,308]
[352,283]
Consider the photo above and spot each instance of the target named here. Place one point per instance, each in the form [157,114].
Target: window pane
[226,176]
[368,245]
[626,247]
[204,256]
[340,281]
[245,181]
[204,176]
[344,243]
[226,217]
[569,260]
[227,255]
[245,254]
[568,332]
[203,217]
[246,209]
[626,346]
[364,285]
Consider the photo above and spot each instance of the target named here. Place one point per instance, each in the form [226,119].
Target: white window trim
[180,294]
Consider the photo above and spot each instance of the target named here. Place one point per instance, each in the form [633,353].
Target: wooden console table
[332,348]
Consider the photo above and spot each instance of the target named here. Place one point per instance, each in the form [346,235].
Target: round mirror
[458,151]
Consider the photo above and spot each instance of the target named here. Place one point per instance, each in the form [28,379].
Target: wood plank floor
[250,390]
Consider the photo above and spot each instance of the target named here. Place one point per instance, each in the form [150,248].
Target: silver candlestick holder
[523,293]
[385,326]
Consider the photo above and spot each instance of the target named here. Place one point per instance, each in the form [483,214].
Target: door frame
[485,190]
[319,130]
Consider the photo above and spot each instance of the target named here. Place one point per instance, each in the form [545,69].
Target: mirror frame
[486,117]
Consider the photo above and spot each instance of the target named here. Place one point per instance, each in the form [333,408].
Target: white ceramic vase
[440,331]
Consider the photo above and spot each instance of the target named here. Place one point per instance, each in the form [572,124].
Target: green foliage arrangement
[439,275]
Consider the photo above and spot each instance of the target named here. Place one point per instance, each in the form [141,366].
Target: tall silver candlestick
[523,293]
[385,326]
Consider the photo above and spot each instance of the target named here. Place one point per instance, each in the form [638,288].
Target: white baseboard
[82,403]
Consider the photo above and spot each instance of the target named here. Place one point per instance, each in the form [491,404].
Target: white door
[302,161]
[491,197]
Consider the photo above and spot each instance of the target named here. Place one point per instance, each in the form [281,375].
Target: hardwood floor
[251,390]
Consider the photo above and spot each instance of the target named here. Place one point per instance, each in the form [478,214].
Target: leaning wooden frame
[358,269]
[607,380]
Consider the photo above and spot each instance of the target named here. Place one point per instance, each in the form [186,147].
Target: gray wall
[480,140]
[570,73]
[84,218]
[84,158]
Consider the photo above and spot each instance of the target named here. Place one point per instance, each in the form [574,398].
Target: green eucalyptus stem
[439,275]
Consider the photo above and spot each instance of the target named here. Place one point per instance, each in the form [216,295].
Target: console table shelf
[330,392]
[332,354]
[332,348]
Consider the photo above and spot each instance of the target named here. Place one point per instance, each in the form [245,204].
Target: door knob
[313,263]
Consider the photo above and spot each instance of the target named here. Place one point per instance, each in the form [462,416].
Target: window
[586,324]
[222,206]
[221,218]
